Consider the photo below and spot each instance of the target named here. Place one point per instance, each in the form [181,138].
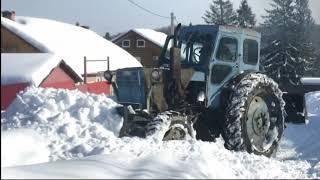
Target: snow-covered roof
[30,68]
[156,37]
[71,42]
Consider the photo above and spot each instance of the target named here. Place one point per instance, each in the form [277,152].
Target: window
[126,43]
[138,58]
[197,48]
[219,73]
[155,58]
[250,51]
[141,43]
[227,50]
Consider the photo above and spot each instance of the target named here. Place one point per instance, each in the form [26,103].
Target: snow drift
[75,124]
[23,147]
[81,132]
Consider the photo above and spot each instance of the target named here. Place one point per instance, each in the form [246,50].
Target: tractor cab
[201,59]
[211,55]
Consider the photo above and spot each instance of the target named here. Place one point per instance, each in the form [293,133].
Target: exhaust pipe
[176,93]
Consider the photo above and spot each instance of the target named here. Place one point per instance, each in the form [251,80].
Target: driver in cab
[205,54]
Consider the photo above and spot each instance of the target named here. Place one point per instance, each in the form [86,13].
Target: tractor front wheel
[170,125]
[254,115]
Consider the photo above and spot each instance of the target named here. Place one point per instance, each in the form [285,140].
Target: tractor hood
[131,87]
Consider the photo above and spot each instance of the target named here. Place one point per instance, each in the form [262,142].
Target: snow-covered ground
[48,133]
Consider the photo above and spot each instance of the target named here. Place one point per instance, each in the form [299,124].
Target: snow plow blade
[294,96]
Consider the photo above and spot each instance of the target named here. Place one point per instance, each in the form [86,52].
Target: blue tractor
[208,84]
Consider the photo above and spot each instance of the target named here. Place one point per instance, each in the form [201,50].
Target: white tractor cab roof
[238,30]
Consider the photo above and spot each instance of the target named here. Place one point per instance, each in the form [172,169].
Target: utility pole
[172,23]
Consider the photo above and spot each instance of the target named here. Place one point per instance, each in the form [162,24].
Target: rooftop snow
[27,67]
[71,42]
[156,37]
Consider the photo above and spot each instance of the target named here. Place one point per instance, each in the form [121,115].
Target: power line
[134,3]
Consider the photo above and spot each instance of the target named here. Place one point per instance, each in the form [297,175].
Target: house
[72,43]
[144,44]
[19,70]
[77,54]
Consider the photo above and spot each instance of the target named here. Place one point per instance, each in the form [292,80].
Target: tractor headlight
[201,96]
[156,75]
[108,76]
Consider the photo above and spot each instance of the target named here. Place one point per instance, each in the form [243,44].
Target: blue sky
[120,15]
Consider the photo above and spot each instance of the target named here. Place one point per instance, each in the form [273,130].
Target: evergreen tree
[288,53]
[107,36]
[316,70]
[303,19]
[220,13]
[304,25]
[245,17]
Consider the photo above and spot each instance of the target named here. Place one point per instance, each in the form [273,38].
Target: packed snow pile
[75,124]
[81,131]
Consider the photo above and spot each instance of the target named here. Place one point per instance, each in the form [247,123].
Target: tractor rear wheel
[254,115]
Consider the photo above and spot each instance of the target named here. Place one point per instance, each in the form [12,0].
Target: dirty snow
[81,131]
[71,43]
[31,68]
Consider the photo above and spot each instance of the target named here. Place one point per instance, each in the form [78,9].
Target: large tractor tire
[254,115]
[170,125]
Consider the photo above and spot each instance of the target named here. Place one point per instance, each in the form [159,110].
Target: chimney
[13,16]
[9,14]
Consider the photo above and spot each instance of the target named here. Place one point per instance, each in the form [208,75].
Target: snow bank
[78,125]
[70,42]
[75,124]
[23,147]
[301,141]
[136,158]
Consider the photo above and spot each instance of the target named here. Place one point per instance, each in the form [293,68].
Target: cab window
[227,50]
[250,51]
